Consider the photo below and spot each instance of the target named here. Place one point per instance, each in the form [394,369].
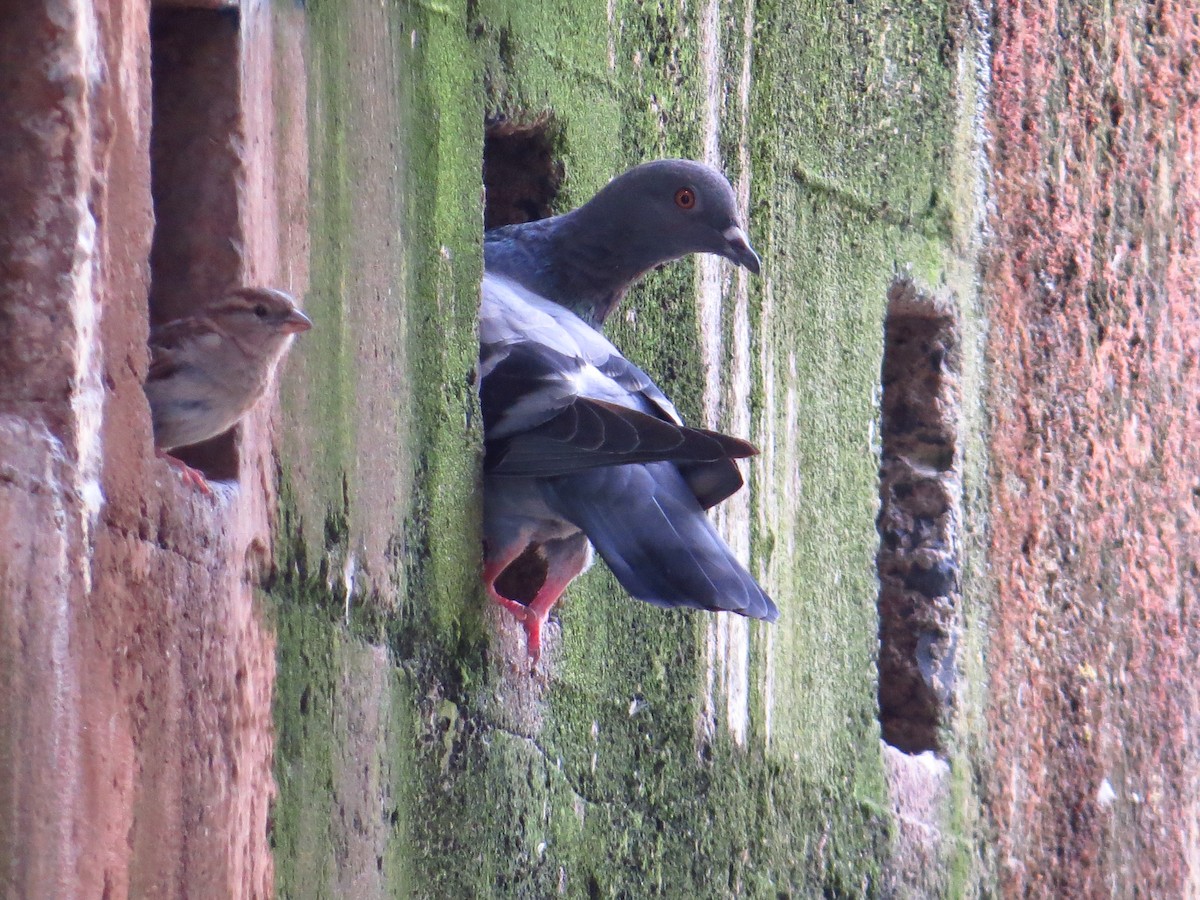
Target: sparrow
[208,370]
[582,449]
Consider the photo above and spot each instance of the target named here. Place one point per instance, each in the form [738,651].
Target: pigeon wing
[557,397]
[590,433]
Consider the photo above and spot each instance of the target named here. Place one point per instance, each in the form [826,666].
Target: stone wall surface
[294,687]
[137,670]
[1091,281]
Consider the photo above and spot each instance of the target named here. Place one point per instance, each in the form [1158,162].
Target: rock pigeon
[581,447]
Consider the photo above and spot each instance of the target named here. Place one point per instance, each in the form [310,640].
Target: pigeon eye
[685,198]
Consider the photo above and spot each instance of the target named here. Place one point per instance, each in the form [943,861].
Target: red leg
[539,608]
[564,560]
[492,570]
[187,473]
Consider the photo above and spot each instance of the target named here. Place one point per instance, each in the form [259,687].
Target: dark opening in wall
[521,175]
[521,178]
[920,485]
[196,170]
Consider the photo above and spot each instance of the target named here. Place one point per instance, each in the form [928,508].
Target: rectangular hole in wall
[196,168]
[920,480]
[521,169]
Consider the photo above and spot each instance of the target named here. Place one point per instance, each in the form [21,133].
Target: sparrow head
[260,317]
[677,207]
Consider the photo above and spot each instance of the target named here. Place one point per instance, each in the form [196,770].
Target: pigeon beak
[740,250]
[295,323]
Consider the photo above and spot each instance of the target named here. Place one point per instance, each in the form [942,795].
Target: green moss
[343,759]
[395,262]
[618,790]
[304,698]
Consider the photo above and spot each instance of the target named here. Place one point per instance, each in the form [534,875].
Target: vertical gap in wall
[920,483]
[521,173]
[521,178]
[196,171]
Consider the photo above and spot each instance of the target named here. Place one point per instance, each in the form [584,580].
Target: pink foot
[533,615]
[523,613]
[189,475]
[563,561]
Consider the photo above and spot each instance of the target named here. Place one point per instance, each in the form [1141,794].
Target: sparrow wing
[169,342]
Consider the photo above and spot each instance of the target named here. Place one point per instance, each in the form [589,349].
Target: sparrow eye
[260,311]
[685,198]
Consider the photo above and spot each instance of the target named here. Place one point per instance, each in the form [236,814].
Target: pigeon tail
[647,525]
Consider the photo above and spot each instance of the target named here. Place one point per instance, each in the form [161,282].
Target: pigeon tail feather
[648,527]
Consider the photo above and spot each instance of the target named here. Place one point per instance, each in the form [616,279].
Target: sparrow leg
[187,473]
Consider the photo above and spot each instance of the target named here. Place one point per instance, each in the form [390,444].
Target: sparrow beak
[295,323]
[740,250]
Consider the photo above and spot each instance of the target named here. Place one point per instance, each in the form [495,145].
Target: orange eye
[685,198]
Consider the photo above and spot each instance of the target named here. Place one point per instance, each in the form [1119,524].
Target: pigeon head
[672,207]
[588,258]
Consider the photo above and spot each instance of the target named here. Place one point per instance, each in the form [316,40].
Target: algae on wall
[412,758]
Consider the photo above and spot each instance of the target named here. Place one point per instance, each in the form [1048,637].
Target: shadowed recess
[920,483]
[521,174]
[195,168]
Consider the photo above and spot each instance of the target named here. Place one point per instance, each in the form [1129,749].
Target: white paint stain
[974,67]
[727,378]
[765,466]
[709,268]
[76,66]
[348,572]
[611,14]
[87,400]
